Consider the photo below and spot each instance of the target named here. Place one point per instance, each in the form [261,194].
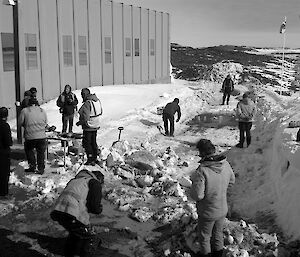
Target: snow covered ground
[268,172]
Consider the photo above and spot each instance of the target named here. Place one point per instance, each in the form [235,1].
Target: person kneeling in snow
[209,189]
[81,196]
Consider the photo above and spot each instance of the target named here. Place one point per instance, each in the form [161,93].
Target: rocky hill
[246,64]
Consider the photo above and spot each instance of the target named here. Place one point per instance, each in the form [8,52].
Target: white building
[82,43]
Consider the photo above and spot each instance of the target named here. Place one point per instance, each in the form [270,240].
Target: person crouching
[81,196]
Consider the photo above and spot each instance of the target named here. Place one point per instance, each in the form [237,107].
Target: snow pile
[219,71]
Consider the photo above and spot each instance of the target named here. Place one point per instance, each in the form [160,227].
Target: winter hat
[3,112]
[176,100]
[33,90]
[206,147]
[67,86]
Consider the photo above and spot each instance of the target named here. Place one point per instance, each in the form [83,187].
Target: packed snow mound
[220,70]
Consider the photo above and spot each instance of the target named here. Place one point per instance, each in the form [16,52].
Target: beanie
[206,147]
[3,112]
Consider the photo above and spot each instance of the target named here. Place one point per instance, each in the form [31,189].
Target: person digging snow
[245,112]
[209,189]
[81,196]
[227,89]
[168,116]
[89,119]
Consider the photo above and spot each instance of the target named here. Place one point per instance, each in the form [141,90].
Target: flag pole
[282,64]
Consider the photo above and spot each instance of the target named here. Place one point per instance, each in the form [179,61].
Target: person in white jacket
[245,112]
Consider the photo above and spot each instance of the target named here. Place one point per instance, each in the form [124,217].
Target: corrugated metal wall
[82,43]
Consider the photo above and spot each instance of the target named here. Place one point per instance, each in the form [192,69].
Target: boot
[217,253]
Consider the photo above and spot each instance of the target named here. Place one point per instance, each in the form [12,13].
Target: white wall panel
[66,28]
[49,49]
[7,78]
[127,23]
[136,44]
[158,44]
[152,28]
[95,48]
[118,43]
[145,44]
[106,17]
[81,29]
[30,25]
[165,44]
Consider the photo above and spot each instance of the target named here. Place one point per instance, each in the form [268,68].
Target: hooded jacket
[245,110]
[171,108]
[209,187]
[67,102]
[81,196]
[89,113]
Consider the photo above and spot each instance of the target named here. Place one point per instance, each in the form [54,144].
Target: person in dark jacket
[25,102]
[89,119]
[209,189]
[245,112]
[67,102]
[227,88]
[168,116]
[81,196]
[5,143]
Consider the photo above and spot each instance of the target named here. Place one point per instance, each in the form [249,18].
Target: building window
[128,47]
[82,50]
[67,51]
[136,47]
[107,50]
[7,40]
[152,47]
[31,51]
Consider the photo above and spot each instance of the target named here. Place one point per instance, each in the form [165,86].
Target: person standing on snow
[81,196]
[168,116]
[245,112]
[209,189]
[227,88]
[5,144]
[67,103]
[89,119]
[34,120]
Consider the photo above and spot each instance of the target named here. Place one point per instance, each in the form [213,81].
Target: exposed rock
[142,160]
[142,214]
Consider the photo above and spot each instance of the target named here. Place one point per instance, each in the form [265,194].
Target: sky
[202,23]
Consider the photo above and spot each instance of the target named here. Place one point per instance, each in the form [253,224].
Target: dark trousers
[168,118]
[65,120]
[226,95]
[4,173]
[40,146]
[210,234]
[80,236]
[89,143]
[245,128]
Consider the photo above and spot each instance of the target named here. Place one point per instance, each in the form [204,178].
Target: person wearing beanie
[209,189]
[81,196]
[25,102]
[245,111]
[89,119]
[5,144]
[33,92]
[34,120]
[67,102]
[227,89]
[168,116]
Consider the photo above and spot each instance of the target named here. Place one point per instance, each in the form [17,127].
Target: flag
[283,27]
